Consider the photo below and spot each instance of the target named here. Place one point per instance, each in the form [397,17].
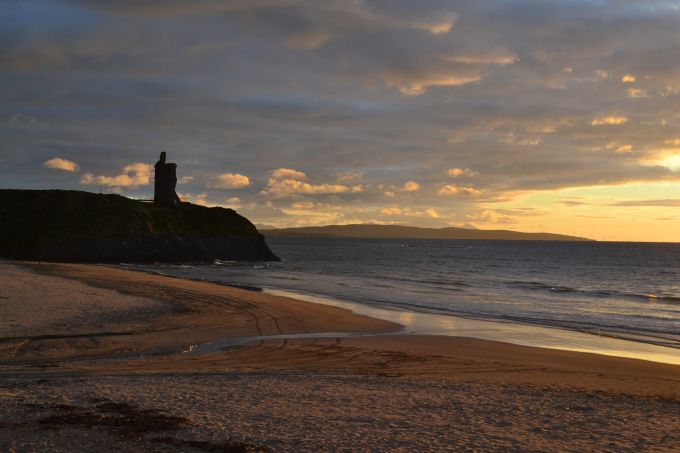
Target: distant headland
[409,232]
[76,226]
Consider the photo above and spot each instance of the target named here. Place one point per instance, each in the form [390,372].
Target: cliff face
[74,226]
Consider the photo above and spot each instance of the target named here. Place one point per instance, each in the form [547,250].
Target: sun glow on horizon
[340,112]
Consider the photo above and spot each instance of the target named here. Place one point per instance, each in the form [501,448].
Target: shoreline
[511,331]
[504,331]
[269,316]
[99,358]
[663,339]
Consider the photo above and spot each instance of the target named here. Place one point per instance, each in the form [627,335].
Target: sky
[543,115]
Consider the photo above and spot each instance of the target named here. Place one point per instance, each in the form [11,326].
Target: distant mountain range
[409,232]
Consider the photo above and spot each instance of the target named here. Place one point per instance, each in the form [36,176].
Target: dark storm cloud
[525,93]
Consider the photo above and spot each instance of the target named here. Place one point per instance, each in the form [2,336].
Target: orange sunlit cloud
[341,111]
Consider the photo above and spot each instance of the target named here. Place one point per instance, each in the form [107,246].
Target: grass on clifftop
[76,215]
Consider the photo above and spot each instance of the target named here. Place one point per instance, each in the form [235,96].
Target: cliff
[408,232]
[75,226]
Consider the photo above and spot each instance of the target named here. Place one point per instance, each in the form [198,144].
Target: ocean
[625,290]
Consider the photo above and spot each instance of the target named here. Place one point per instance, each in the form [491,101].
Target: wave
[241,264]
[438,244]
[285,277]
[427,281]
[542,286]
[661,337]
[653,297]
[649,331]
[598,293]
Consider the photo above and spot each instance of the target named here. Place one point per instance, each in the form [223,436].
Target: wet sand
[92,356]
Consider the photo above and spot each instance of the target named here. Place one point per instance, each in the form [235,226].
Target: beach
[100,357]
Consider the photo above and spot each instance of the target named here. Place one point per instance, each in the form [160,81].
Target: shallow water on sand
[628,290]
[508,332]
[415,323]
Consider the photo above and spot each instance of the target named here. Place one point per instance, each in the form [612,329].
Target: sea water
[627,290]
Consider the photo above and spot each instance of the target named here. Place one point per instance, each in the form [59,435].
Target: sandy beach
[95,357]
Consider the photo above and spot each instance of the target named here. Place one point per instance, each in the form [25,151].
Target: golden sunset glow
[353,112]
[340,225]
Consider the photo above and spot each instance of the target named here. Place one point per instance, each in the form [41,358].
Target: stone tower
[165,182]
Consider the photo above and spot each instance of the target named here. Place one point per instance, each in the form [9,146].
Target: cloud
[288,187]
[233,202]
[484,59]
[229,181]
[308,39]
[349,176]
[625,149]
[489,216]
[418,87]
[57,163]
[609,121]
[288,173]
[450,190]
[199,199]
[466,225]
[511,138]
[431,212]
[185,180]
[408,212]
[302,205]
[394,210]
[133,176]
[601,74]
[439,23]
[410,186]
[669,203]
[22,120]
[529,142]
[286,182]
[637,93]
[392,90]
[575,202]
[456,172]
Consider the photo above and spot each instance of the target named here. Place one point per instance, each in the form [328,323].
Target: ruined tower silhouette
[165,182]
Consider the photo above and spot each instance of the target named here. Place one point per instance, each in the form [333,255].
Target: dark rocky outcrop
[75,226]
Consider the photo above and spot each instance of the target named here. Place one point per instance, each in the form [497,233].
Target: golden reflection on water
[404,317]
[507,332]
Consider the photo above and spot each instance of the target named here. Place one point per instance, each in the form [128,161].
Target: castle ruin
[165,182]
